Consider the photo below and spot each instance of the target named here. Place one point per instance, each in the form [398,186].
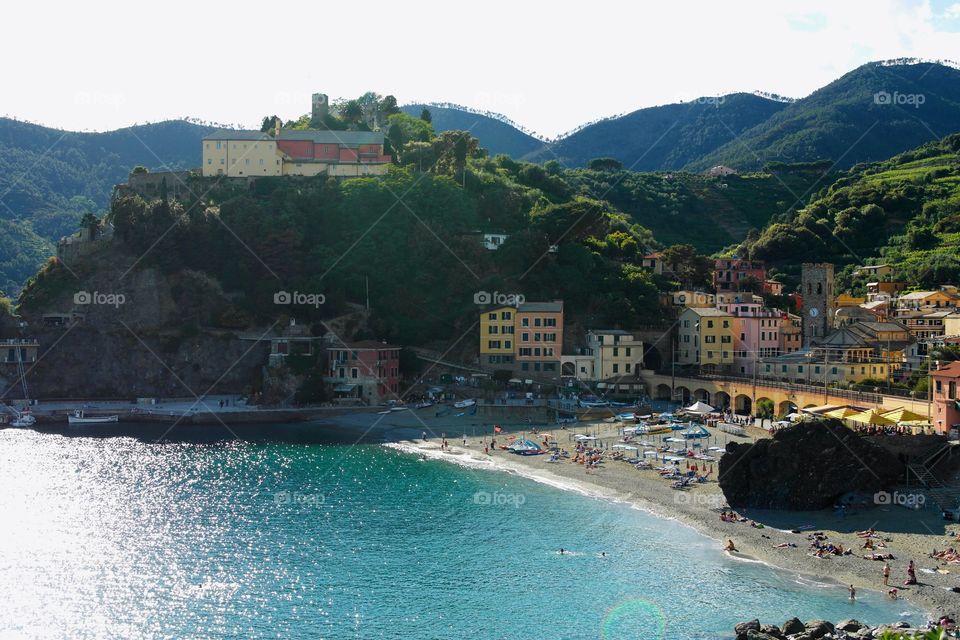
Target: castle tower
[320,107]
[816,288]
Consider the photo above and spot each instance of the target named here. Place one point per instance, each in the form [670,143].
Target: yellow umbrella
[902,414]
[841,413]
[870,417]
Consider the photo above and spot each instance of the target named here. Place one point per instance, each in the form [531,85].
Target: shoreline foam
[652,495]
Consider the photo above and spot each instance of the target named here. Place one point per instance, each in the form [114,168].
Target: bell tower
[816,283]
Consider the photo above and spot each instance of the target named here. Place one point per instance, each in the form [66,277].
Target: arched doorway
[662,392]
[743,405]
[786,407]
[721,400]
[568,369]
[682,395]
[702,395]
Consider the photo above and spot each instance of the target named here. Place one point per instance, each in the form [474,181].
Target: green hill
[49,178]
[495,132]
[663,138]
[685,208]
[872,113]
[904,211]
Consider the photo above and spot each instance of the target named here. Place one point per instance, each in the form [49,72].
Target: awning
[344,388]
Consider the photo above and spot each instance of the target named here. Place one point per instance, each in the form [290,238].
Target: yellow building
[243,154]
[804,368]
[847,300]
[497,336]
[951,325]
[705,337]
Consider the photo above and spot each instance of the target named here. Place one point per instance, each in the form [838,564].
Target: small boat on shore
[23,419]
[79,417]
[463,404]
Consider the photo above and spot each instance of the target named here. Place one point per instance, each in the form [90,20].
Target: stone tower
[320,107]
[816,288]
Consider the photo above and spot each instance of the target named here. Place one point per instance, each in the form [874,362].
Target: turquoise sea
[123,538]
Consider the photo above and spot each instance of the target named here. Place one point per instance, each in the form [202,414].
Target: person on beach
[464,439]
[853,593]
[911,573]
[424,436]
[886,574]
[730,546]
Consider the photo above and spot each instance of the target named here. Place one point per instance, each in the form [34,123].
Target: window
[952,393]
[507,344]
[218,144]
[506,315]
[491,316]
[725,339]
[537,322]
[616,368]
[354,373]
[628,354]
[536,337]
[709,324]
[616,352]
[525,337]
[492,329]
[726,324]
[493,344]
[525,322]
[709,339]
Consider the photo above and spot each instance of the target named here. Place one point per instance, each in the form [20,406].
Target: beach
[908,534]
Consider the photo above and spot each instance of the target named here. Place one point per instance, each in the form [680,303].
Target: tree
[388,106]
[425,116]
[605,164]
[137,170]
[270,123]
[765,408]
[91,223]
[352,112]
[693,269]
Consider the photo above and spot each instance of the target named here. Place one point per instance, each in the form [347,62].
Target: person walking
[886,574]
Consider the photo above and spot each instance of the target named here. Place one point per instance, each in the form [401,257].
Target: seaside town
[371,365]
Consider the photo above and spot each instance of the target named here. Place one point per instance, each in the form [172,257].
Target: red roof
[949,370]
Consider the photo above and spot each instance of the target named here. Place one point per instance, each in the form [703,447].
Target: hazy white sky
[549,66]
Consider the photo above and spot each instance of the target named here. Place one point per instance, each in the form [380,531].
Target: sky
[549,66]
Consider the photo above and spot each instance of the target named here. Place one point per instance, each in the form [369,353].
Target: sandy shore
[907,534]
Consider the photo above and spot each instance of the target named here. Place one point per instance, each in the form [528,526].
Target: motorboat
[463,404]
[79,417]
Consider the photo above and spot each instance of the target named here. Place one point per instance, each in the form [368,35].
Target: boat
[463,404]
[24,419]
[627,417]
[525,447]
[571,420]
[698,431]
[655,429]
[79,417]
[593,404]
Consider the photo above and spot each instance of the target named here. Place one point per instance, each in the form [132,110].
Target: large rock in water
[805,466]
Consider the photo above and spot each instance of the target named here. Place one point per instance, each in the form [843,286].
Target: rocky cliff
[805,466]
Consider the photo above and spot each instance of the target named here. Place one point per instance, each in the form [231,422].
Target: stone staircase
[939,495]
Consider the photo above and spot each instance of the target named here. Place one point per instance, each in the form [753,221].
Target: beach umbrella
[870,417]
[842,412]
[902,414]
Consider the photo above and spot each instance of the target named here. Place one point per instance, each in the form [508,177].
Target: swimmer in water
[562,551]
[603,554]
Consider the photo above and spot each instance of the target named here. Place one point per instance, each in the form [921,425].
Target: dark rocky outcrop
[805,466]
[791,626]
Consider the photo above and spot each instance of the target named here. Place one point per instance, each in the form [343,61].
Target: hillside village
[747,325]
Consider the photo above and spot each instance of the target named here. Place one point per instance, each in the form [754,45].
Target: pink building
[756,334]
[728,272]
[367,370]
[946,398]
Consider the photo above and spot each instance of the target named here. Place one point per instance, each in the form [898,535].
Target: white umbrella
[699,407]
